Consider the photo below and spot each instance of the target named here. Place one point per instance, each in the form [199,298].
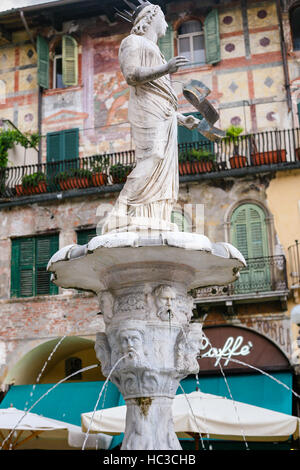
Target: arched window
[178,218]
[191,42]
[295,27]
[249,235]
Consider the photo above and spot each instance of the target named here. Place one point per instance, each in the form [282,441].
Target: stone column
[148,347]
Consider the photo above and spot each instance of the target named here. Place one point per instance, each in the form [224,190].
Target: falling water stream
[43,396]
[100,394]
[104,387]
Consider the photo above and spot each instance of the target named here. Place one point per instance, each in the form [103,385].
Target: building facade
[60,78]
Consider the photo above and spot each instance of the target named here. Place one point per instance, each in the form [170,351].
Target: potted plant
[74,178]
[185,163]
[98,169]
[32,184]
[119,172]
[233,135]
[268,157]
[195,161]
[202,160]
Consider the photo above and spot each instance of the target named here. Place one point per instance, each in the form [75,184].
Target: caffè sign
[233,347]
[239,348]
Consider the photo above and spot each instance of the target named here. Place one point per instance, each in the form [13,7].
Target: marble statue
[151,188]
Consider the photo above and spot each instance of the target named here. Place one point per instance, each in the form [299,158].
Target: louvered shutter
[70,60]
[71,144]
[166,43]
[249,236]
[212,37]
[22,278]
[45,247]
[30,257]
[43,62]
[84,236]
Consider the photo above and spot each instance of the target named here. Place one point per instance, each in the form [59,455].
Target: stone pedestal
[149,343]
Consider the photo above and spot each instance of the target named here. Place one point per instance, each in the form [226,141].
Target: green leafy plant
[99,163]
[33,180]
[202,154]
[10,137]
[119,172]
[233,135]
[74,173]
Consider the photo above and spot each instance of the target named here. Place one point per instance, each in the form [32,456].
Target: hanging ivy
[11,137]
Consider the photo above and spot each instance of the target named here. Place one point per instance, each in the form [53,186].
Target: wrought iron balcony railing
[272,150]
[261,276]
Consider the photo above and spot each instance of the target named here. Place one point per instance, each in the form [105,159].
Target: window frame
[34,265]
[191,37]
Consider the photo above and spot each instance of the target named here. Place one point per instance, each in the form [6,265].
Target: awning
[19,428]
[210,416]
[66,402]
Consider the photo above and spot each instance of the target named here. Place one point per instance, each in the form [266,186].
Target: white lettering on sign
[232,347]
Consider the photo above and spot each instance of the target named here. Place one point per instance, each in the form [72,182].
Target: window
[30,256]
[178,218]
[191,42]
[72,365]
[58,68]
[65,62]
[249,235]
[84,236]
[63,145]
[200,43]
[295,27]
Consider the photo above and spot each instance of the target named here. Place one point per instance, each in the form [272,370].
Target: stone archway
[45,362]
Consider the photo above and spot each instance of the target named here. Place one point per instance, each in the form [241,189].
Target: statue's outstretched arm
[187,121]
[139,75]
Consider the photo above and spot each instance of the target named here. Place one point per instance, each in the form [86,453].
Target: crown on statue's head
[135,10]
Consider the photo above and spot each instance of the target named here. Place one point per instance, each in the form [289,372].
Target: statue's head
[143,16]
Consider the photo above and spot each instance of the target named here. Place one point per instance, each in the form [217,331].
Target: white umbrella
[209,415]
[18,428]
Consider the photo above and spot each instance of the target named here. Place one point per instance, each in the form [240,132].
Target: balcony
[294,262]
[253,153]
[264,279]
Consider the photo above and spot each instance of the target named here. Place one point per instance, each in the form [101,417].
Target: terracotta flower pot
[193,168]
[29,190]
[99,179]
[74,183]
[297,154]
[185,168]
[204,166]
[268,157]
[238,161]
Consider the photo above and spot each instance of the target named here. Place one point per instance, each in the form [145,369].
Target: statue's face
[166,297]
[161,24]
[131,340]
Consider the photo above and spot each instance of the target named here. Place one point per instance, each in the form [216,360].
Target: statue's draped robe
[151,188]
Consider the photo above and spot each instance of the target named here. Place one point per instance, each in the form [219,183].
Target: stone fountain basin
[120,258]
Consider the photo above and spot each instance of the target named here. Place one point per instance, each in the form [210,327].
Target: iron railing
[260,276]
[294,263]
[265,150]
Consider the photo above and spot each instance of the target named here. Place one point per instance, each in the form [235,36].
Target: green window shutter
[84,236]
[43,62]
[30,257]
[166,43]
[212,37]
[71,144]
[45,247]
[54,147]
[22,279]
[249,231]
[70,60]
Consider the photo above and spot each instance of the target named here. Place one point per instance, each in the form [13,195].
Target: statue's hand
[174,64]
[189,121]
